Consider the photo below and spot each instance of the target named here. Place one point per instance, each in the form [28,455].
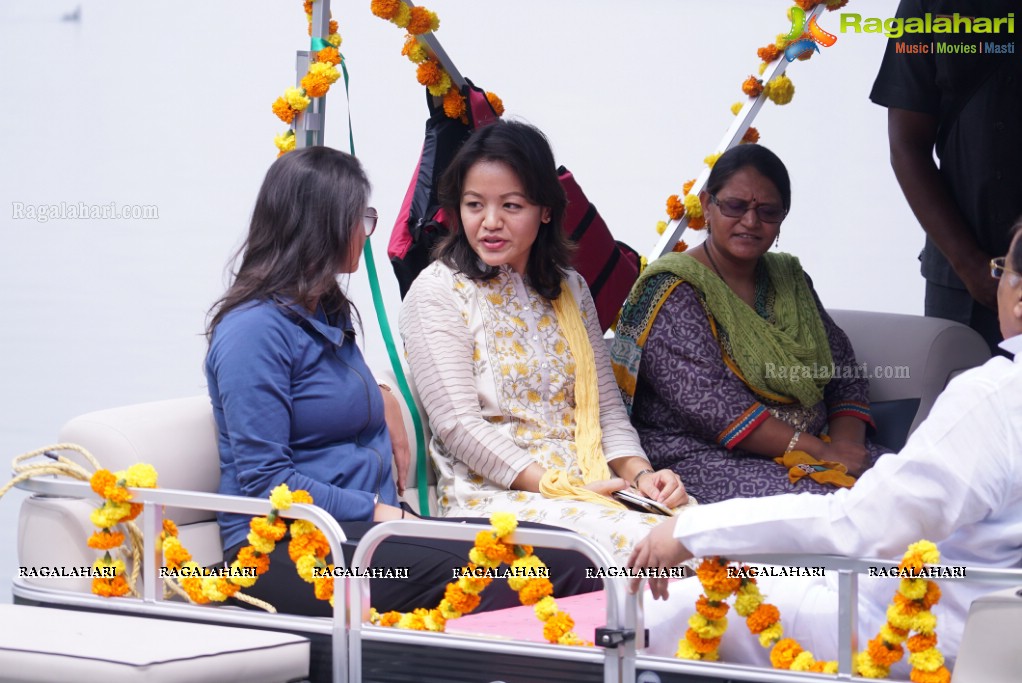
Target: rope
[60,465]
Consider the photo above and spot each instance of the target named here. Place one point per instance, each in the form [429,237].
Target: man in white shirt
[957,482]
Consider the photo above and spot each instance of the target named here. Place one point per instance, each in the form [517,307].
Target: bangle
[385,388]
[794,440]
[635,481]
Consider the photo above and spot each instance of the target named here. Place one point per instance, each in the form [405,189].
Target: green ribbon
[388,339]
[319,44]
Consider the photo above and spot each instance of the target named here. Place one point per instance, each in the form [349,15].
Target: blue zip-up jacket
[295,403]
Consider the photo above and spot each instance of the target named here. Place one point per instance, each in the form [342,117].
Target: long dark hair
[768,164]
[525,150]
[302,232]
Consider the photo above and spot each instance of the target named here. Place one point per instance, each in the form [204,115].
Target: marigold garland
[429,72]
[489,552]
[116,509]
[315,83]
[909,612]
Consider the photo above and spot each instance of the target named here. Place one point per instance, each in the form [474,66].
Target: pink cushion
[520,623]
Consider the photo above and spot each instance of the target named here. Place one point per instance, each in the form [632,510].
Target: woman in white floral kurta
[491,361]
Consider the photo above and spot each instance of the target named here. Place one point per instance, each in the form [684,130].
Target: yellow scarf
[588,433]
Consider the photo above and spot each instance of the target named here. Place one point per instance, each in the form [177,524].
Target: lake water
[167,104]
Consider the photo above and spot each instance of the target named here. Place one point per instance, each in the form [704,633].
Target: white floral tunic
[497,379]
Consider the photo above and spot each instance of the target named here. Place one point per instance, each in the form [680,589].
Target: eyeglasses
[369,221]
[998,268]
[736,208]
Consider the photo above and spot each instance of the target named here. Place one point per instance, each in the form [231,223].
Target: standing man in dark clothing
[961,94]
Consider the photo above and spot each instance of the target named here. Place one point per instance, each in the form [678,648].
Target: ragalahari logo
[805,37]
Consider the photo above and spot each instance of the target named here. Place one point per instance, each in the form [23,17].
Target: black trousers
[430,565]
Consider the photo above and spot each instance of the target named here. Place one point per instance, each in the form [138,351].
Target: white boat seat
[40,644]
[989,652]
[910,359]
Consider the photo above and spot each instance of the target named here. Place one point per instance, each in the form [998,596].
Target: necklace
[709,255]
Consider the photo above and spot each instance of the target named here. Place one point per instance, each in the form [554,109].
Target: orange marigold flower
[460,600]
[307,6]
[329,55]
[698,224]
[762,617]
[315,86]
[454,104]
[535,590]
[308,544]
[710,610]
[135,509]
[784,653]
[169,527]
[389,618]
[333,26]
[301,496]
[752,86]
[283,110]
[675,208]
[324,587]
[907,607]
[385,9]
[102,540]
[768,53]
[193,586]
[102,480]
[249,557]
[702,645]
[429,73]
[687,187]
[421,21]
[410,42]
[226,587]
[932,594]
[176,555]
[495,102]
[680,246]
[883,653]
[921,641]
[751,135]
[941,675]
[835,4]
[271,532]
[557,625]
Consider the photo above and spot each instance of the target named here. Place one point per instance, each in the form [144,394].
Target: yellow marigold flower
[707,628]
[300,527]
[661,226]
[503,523]
[411,621]
[897,619]
[924,622]
[280,498]
[693,207]
[711,159]
[211,589]
[803,661]
[335,40]
[557,625]
[305,565]
[435,621]
[780,90]
[495,102]
[403,16]
[326,71]
[737,107]
[385,9]
[913,589]
[239,578]
[296,99]
[927,550]
[263,545]
[675,208]
[109,514]
[415,52]
[140,475]
[748,599]
[447,610]
[686,650]
[892,634]
[762,68]
[828,667]
[440,89]
[771,635]
[107,561]
[716,596]
[285,142]
[545,608]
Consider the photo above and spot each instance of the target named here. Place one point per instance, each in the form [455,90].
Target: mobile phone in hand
[636,500]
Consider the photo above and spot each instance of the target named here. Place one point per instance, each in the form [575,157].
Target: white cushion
[990,651]
[39,644]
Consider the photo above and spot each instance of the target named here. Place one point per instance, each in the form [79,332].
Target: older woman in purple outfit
[728,360]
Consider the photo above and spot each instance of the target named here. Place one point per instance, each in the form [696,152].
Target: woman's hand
[851,454]
[663,486]
[384,513]
[605,487]
[398,437]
